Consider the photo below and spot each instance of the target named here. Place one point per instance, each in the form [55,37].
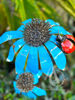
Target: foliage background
[12,13]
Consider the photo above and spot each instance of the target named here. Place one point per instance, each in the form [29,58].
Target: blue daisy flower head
[37,46]
[26,84]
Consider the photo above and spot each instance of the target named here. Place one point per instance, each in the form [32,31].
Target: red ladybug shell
[67,45]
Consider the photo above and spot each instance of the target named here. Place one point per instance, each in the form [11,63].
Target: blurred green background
[12,13]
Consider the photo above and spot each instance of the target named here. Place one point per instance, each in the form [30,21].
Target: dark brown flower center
[25,82]
[36,32]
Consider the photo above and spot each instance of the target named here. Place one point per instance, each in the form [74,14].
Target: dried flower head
[25,82]
[36,32]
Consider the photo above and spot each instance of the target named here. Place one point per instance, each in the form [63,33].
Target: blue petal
[17,76]
[58,55]
[53,39]
[22,26]
[10,35]
[27,21]
[21,58]
[14,84]
[58,30]
[35,79]
[45,61]
[15,87]
[17,45]
[31,95]
[51,22]
[25,94]
[32,63]
[37,76]
[39,91]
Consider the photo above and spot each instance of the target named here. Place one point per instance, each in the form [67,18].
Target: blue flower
[26,84]
[36,45]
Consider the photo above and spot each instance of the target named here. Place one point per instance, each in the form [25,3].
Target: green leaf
[3,21]
[67,5]
[49,12]
[28,9]
[13,20]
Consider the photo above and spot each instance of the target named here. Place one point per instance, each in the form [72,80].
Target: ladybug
[67,43]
